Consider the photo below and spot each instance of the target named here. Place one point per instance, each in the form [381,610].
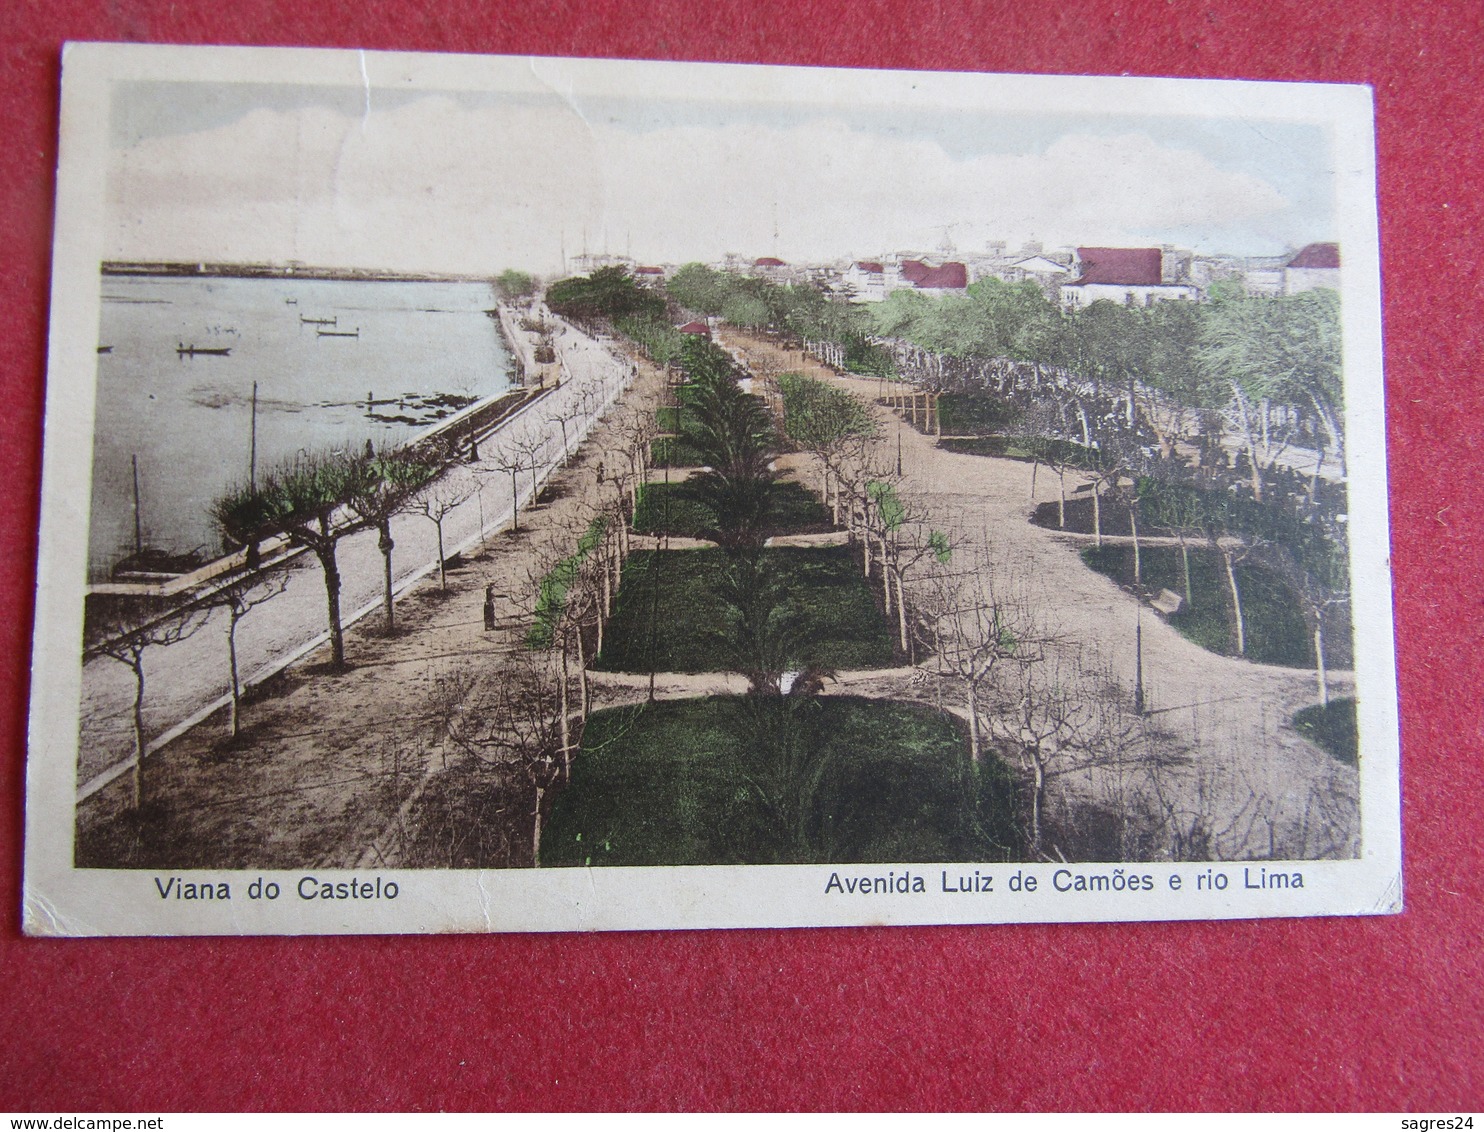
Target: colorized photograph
[497,494]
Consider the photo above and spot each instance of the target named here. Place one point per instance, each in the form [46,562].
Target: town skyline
[438,180]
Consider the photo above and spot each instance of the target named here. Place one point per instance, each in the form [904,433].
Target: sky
[477,182]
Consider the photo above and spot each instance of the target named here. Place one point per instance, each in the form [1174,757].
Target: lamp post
[1138,657]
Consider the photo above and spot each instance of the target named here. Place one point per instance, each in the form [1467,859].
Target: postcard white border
[60,900]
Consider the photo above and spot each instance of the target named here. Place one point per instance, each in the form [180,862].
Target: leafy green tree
[1314,564]
[307,501]
[1281,350]
[663,343]
[699,288]
[749,311]
[1177,508]
[1175,386]
[608,294]
[515,285]
[1020,318]
[385,486]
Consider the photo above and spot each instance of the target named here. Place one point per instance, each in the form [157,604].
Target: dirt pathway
[1257,781]
[187,680]
[328,759]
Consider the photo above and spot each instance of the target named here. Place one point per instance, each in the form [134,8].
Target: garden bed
[962,413]
[675,509]
[1332,727]
[1274,627]
[669,616]
[673,452]
[743,780]
[1018,448]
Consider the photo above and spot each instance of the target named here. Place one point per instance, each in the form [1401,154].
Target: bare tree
[509,462]
[388,480]
[563,592]
[569,414]
[531,448]
[127,642]
[504,720]
[435,504]
[974,623]
[638,429]
[240,597]
[1063,718]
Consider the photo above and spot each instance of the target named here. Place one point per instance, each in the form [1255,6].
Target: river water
[336,363]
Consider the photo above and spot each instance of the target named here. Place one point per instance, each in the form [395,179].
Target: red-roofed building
[912,271]
[945,277]
[1131,276]
[864,282]
[772,268]
[870,281]
[1317,265]
[696,328]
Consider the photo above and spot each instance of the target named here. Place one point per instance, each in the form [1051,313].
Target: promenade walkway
[1251,770]
[188,680]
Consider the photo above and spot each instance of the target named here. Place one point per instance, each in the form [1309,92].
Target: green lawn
[1275,629]
[674,509]
[675,419]
[975,413]
[675,593]
[1018,448]
[673,452]
[1332,728]
[739,780]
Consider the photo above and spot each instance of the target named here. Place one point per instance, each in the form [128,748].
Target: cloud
[438,184]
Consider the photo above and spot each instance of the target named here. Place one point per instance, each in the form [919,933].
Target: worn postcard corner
[539,495]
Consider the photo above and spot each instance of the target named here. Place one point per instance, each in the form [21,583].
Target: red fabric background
[1377,1013]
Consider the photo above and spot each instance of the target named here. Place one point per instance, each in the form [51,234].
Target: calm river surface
[319,351]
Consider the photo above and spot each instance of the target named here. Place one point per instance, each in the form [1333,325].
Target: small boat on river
[356,333]
[193,351]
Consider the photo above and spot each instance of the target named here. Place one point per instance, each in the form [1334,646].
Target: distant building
[863,282]
[1208,269]
[651,276]
[1046,273]
[1317,265]
[946,278]
[776,270]
[699,328]
[1132,276]
[1262,276]
[870,281]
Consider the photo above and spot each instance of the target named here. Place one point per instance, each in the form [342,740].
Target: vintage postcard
[492,494]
